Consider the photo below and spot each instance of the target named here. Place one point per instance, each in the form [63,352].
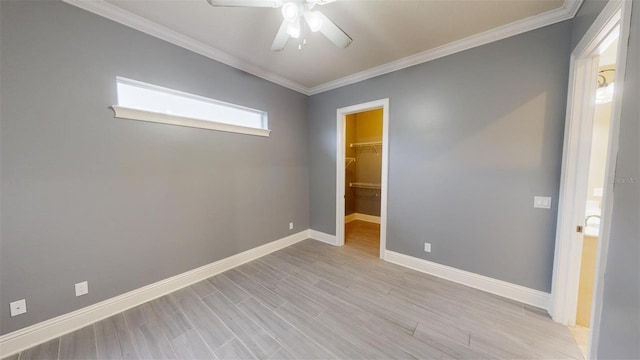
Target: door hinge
[579,228]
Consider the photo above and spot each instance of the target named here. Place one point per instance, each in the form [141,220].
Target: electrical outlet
[82,288]
[290,226]
[542,202]
[18,307]
[427,247]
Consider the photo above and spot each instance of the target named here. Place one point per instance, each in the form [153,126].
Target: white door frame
[575,166]
[340,169]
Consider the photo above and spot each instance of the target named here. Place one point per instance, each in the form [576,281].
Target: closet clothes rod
[365,144]
[365,185]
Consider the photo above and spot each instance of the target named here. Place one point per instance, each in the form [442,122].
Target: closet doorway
[363,179]
[362,173]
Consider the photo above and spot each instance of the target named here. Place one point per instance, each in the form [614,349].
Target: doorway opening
[362,176]
[600,130]
[363,180]
[588,165]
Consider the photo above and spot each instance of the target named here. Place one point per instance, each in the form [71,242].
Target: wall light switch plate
[82,288]
[18,307]
[427,247]
[542,202]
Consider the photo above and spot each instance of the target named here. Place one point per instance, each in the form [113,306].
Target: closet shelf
[348,161]
[366,144]
[365,185]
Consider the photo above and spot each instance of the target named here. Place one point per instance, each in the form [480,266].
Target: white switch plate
[427,247]
[291,226]
[82,288]
[542,202]
[18,307]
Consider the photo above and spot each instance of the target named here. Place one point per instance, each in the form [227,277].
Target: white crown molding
[146,26]
[572,6]
[41,332]
[505,289]
[567,11]
[104,9]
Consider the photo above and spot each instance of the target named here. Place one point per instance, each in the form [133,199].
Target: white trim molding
[583,71]
[567,11]
[323,237]
[122,112]
[572,7]
[362,217]
[112,12]
[25,338]
[505,289]
[349,218]
[341,120]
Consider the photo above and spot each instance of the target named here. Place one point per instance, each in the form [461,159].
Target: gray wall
[585,16]
[124,203]
[620,322]
[472,138]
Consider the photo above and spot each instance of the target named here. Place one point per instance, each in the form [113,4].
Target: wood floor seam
[196,331]
[228,341]
[316,301]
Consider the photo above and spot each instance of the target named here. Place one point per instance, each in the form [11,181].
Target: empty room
[319,179]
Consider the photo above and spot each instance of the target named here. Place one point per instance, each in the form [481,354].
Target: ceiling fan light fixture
[290,11]
[293,29]
[314,20]
[292,25]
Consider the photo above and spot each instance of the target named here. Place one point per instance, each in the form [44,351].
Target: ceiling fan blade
[336,35]
[281,37]
[246,3]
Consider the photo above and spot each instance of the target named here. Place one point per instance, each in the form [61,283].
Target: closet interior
[363,173]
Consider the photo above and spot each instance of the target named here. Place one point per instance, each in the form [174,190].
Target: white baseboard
[325,238]
[505,289]
[362,217]
[25,338]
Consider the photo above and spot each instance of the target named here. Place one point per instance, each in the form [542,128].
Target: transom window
[141,101]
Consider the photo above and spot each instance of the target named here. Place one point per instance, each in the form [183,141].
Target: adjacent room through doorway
[363,174]
[601,130]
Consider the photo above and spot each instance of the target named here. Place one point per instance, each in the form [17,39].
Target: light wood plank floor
[364,236]
[315,301]
[581,335]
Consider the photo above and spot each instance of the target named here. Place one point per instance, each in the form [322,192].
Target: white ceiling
[384,32]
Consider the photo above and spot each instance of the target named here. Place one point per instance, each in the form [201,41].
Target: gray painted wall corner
[472,138]
[585,16]
[124,203]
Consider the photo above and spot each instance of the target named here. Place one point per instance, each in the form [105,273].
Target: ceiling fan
[293,12]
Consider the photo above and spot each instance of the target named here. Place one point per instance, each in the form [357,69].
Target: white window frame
[124,112]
